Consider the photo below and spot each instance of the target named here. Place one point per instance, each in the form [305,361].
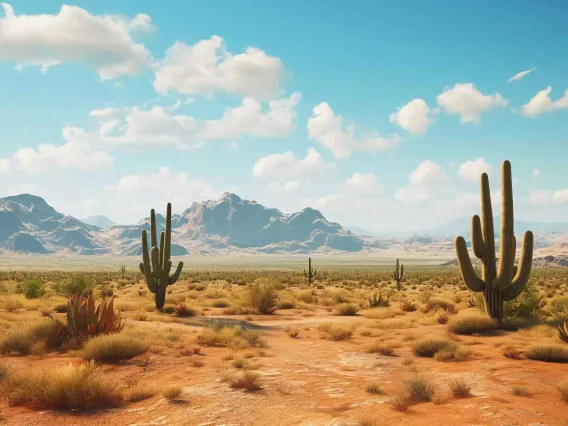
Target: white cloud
[327,128]
[413,117]
[468,102]
[157,189]
[287,166]
[74,35]
[544,197]
[471,171]
[536,173]
[427,179]
[77,155]
[542,103]
[136,127]
[249,119]
[207,67]
[520,75]
[363,182]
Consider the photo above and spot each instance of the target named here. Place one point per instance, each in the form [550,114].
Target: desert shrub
[374,388]
[183,310]
[558,308]
[401,403]
[511,352]
[172,393]
[441,316]
[12,304]
[452,353]
[460,388]
[106,291]
[31,288]
[249,381]
[67,387]
[472,323]
[169,308]
[336,332]
[428,347]
[379,300]
[74,286]
[435,303]
[548,353]
[112,348]
[408,306]
[425,296]
[232,337]
[380,348]
[346,309]
[140,393]
[21,340]
[419,389]
[263,296]
[527,305]
[221,303]
[286,304]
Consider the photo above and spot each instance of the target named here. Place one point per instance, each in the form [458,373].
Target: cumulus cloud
[423,182]
[468,102]
[545,197]
[74,35]
[471,171]
[207,68]
[327,128]
[77,155]
[542,103]
[362,182]
[161,187]
[413,117]
[520,75]
[250,119]
[159,126]
[286,166]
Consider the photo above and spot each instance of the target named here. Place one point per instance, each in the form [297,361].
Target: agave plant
[84,319]
[563,332]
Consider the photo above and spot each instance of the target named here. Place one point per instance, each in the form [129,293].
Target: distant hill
[99,220]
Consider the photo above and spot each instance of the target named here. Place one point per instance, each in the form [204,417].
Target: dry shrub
[472,323]
[419,389]
[547,353]
[172,393]
[263,296]
[428,347]
[460,388]
[67,387]
[183,310]
[440,303]
[452,353]
[249,381]
[112,348]
[231,337]
[381,348]
[346,309]
[336,332]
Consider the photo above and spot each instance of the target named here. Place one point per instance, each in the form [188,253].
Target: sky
[381,114]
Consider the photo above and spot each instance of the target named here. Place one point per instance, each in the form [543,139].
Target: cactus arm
[506,252]
[174,277]
[477,237]
[471,280]
[153,234]
[162,242]
[145,265]
[401,272]
[156,262]
[525,261]
[168,245]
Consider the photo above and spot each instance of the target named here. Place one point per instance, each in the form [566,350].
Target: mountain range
[28,224]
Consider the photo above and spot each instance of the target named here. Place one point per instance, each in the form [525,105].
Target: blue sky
[382,114]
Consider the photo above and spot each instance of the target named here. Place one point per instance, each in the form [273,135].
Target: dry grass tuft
[112,348]
[547,353]
[472,323]
[460,388]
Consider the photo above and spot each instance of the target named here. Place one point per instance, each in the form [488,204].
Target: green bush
[31,288]
[528,305]
[74,286]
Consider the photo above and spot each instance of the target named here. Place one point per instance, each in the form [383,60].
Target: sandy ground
[312,381]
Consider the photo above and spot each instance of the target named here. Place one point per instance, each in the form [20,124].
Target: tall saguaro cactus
[507,282]
[311,273]
[398,275]
[157,268]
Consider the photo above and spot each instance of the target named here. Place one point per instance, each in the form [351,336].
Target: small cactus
[311,273]
[122,269]
[157,270]
[398,275]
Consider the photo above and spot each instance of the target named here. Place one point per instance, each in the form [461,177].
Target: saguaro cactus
[157,271]
[398,275]
[122,269]
[507,282]
[311,273]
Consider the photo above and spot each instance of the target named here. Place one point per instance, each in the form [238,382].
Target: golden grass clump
[248,381]
[472,323]
[336,332]
[547,353]
[435,303]
[112,348]
[346,309]
[428,347]
[67,387]
[231,337]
